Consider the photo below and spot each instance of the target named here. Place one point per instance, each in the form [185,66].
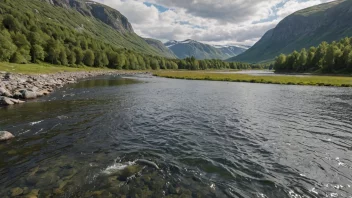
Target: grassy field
[43,68]
[338,81]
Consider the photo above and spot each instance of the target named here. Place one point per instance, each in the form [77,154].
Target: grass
[337,81]
[43,68]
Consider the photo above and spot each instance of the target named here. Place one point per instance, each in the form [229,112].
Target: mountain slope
[161,47]
[188,48]
[305,28]
[87,17]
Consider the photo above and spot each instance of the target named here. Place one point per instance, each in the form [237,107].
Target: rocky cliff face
[107,15]
[305,28]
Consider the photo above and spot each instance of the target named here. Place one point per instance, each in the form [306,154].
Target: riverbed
[209,139]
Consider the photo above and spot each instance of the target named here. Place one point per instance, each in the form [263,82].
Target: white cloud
[210,21]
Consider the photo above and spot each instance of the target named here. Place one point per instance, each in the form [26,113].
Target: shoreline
[328,81]
[17,88]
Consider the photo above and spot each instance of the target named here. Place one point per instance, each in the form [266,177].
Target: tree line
[24,39]
[326,58]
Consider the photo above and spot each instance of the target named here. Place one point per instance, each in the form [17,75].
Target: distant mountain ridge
[188,48]
[160,46]
[302,29]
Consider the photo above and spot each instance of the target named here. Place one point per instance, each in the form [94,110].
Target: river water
[209,139]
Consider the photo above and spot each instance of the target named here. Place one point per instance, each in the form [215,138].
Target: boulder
[17,94]
[6,101]
[4,92]
[4,135]
[29,94]
[16,101]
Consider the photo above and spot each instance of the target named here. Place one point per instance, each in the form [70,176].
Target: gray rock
[4,92]
[6,101]
[17,94]
[16,101]
[29,94]
[4,135]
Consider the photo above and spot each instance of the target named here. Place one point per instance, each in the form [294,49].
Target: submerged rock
[4,135]
[128,172]
[6,101]
[9,101]
[16,192]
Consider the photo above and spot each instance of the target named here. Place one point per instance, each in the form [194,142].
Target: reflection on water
[210,139]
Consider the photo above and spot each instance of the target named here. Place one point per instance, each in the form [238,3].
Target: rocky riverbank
[17,88]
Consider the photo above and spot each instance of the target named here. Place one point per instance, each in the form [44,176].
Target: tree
[88,58]
[79,55]
[280,62]
[349,61]
[53,51]
[37,53]
[320,54]
[18,58]
[7,48]
[63,57]
[11,23]
[303,57]
[311,54]
[121,61]
[154,64]
[71,57]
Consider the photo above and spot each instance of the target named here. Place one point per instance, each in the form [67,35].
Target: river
[210,139]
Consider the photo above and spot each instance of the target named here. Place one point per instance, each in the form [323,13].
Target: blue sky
[210,21]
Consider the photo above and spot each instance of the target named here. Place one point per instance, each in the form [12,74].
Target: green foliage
[88,58]
[37,53]
[17,57]
[327,58]
[7,48]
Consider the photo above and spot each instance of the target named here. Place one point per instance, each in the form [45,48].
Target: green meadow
[337,81]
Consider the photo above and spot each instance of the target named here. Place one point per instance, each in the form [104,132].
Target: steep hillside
[160,47]
[188,48]
[96,20]
[305,28]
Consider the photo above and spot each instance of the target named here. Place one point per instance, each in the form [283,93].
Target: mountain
[98,21]
[161,47]
[188,48]
[305,28]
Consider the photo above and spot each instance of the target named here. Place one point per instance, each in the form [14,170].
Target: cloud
[210,21]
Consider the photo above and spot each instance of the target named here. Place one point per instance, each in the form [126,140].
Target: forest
[25,39]
[326,58]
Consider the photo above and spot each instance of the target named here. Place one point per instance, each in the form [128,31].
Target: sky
[221,22]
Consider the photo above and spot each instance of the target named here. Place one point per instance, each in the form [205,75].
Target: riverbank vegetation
[335,57]
[337,81]
[33,68]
